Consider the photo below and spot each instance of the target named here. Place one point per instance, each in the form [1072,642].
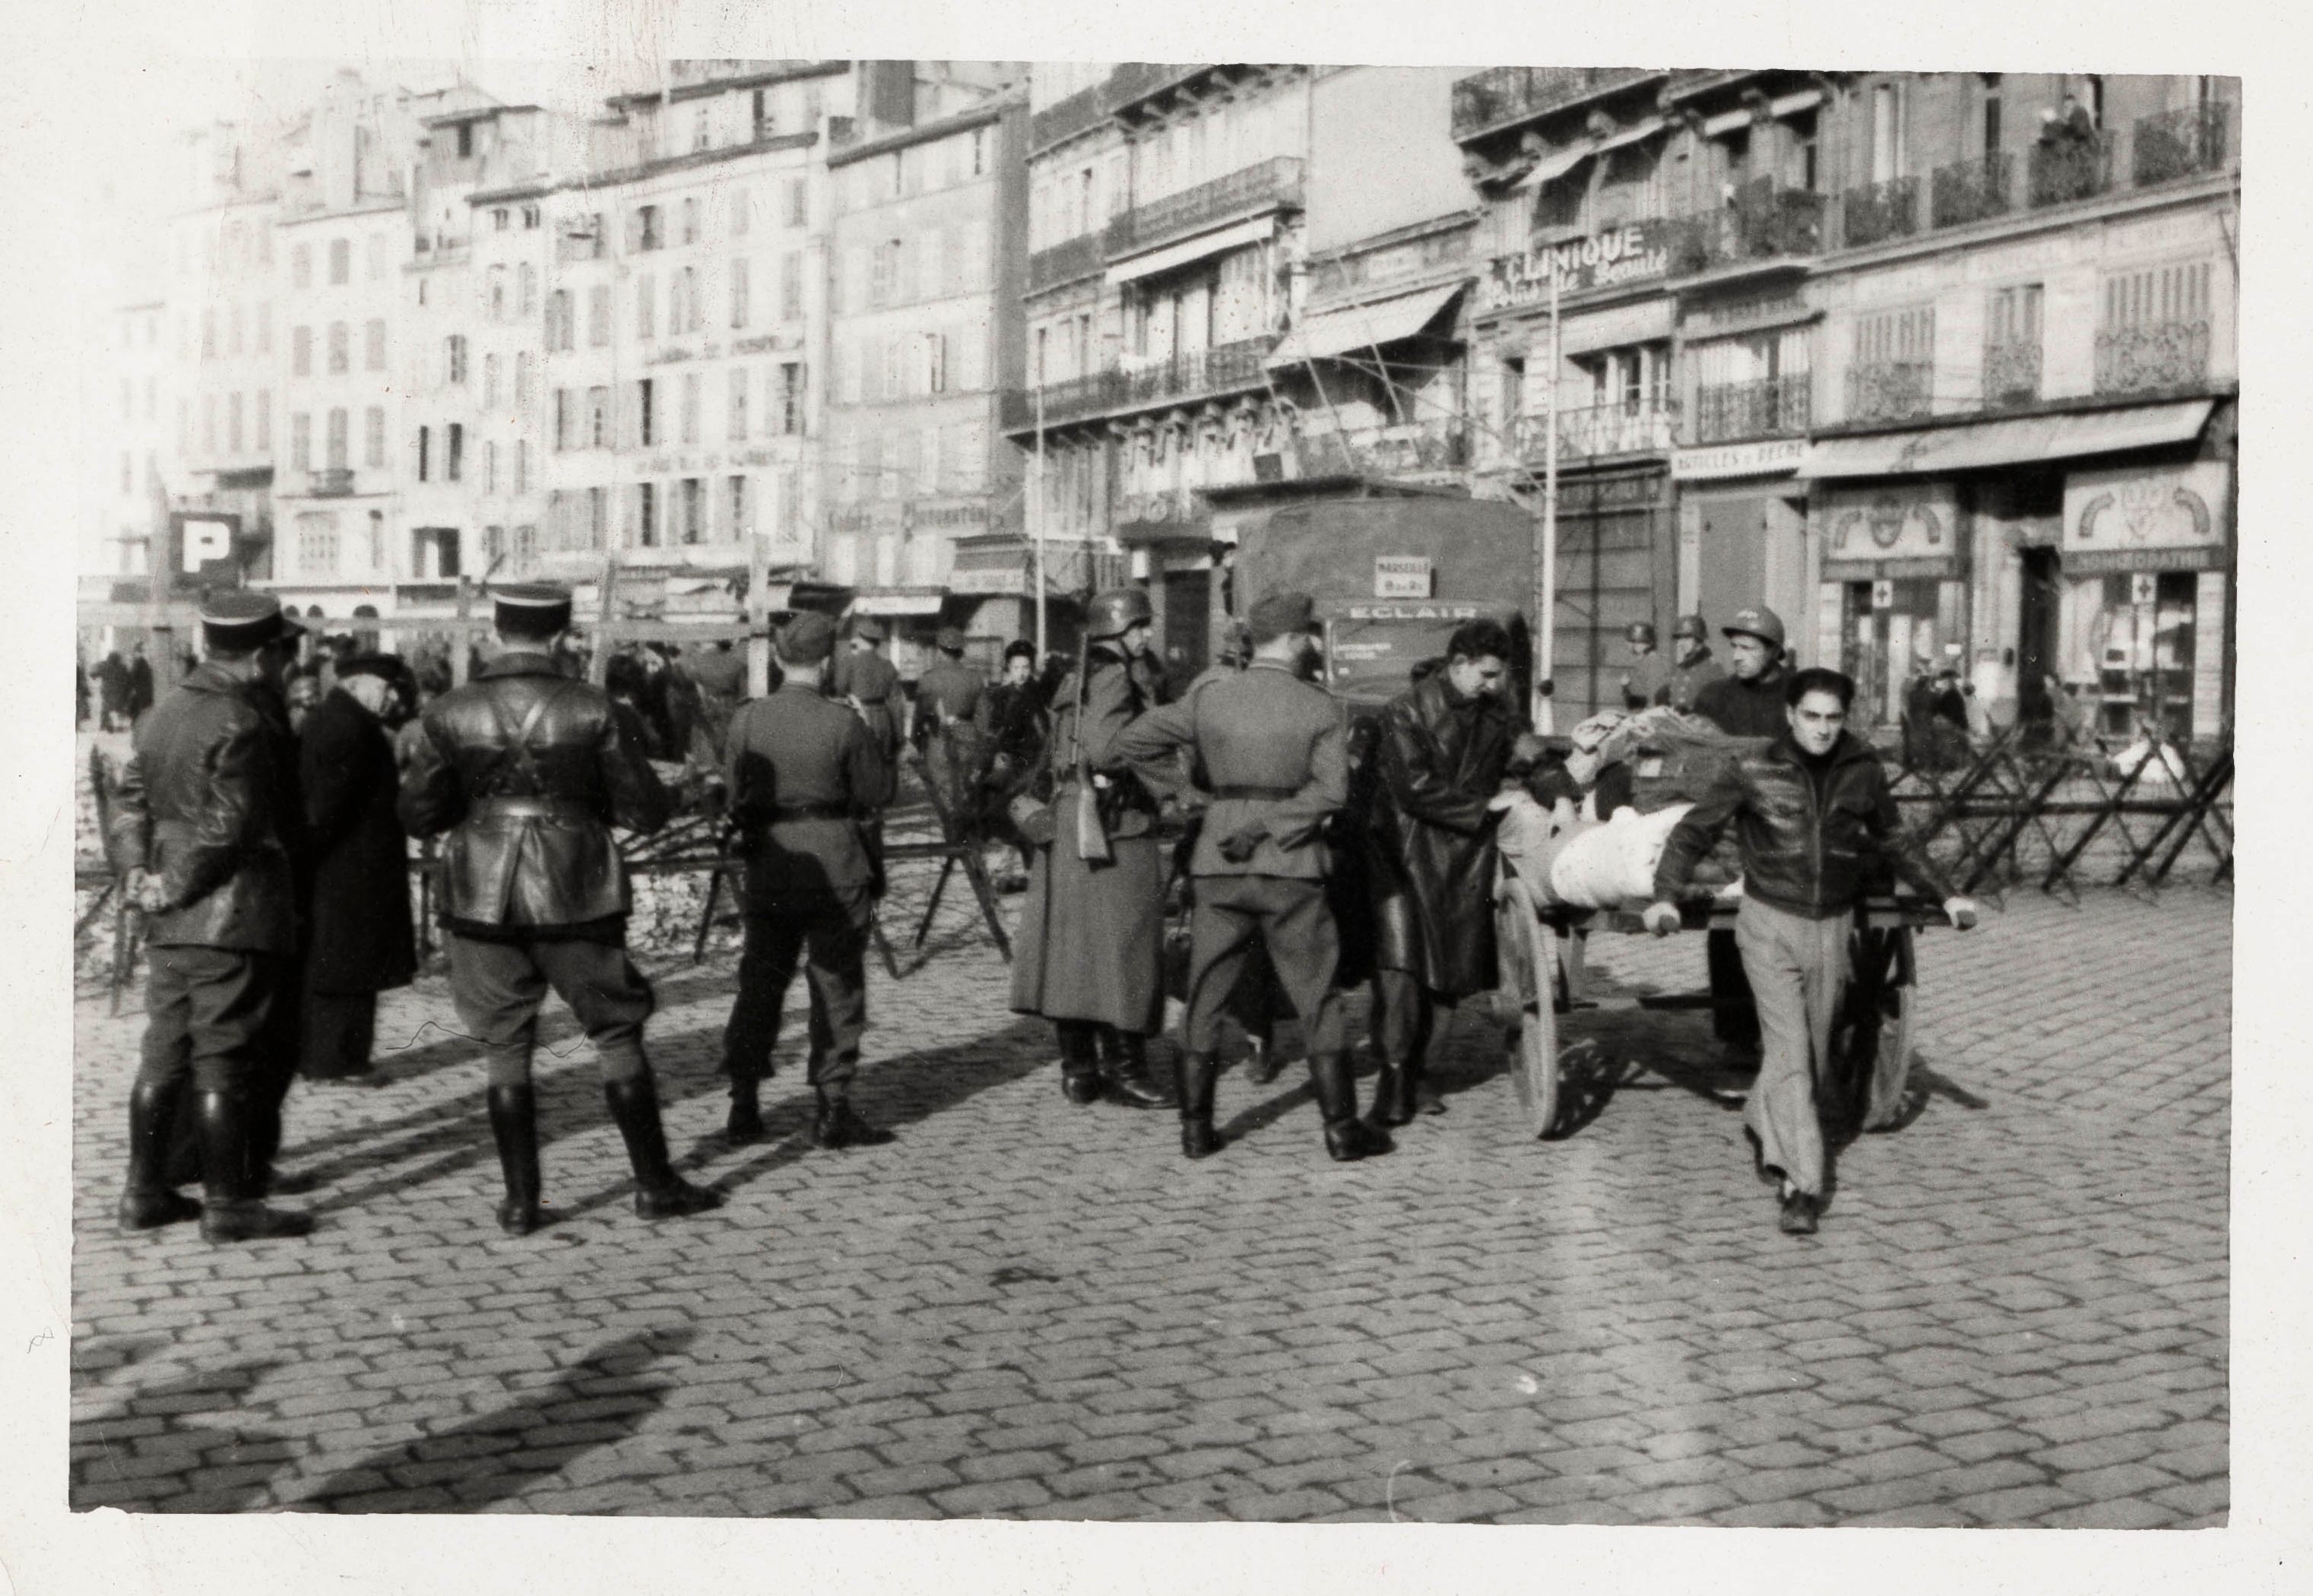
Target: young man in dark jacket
[1813,817]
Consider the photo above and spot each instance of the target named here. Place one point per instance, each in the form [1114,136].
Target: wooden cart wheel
[1527,952]
[1877,1062]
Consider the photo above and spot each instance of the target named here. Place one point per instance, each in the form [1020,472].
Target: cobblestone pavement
[2015,1313]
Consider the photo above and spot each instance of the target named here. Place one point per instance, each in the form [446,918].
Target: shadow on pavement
[600,1400]
[248,1457]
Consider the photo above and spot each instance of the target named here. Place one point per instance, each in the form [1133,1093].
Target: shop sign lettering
[2159,519]
[1637,253]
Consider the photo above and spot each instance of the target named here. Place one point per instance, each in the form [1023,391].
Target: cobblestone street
[2015,1315]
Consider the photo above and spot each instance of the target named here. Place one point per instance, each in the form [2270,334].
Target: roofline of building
[300,219]
[752,80]
[617,175]
[444,118]
[987,112]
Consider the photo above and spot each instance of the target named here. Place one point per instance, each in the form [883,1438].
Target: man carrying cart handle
[1812,813]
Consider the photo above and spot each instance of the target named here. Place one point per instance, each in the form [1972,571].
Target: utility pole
[1546,556]
[1036,513]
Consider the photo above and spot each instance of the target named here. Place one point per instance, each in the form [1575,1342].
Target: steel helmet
[1692,626]
[1639,631]
[1757,621]
[1117,612]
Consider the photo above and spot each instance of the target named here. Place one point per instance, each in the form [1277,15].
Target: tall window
[453,357]
[337,439]
[233,338]
[799,204]
[520,463]
[690,206]
[598,316]
[791,287]
[521,370]
[341,262]
[645,422]
[935,355]
[264,326]
[645,307]
[739,294]
[374,344]
[264,440]
[424,454]
[374,436]
[301,351]
[2013,316]
[301,442]
[691,400]
[1886,132]
[527,277]
[490,468]
[453,452]
[791,391]
[736,424]
[561,432]
[558,327]
[743,522]
[233,423]
[694,510]
[375,253]
[490,381]
[340,348]
[301,267]
[643,230]
[598,417]
[646,514]
[317,545]
[208,423]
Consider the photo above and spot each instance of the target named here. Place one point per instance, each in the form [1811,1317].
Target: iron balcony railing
[1404,451]
[1876,212]
[1507,94]
[1276,181]
[2182,143]
[1080,257]
[1890,390]
[1225,368]
[2069,169]
[2153,356]
[1730,412]
[1593,431]
[1760,221]
[1970,190]
[330,482]
[2012,375]
[1065,119]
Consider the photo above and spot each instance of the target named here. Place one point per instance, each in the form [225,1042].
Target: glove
[1661,919]
[1239,847]
[1960,912]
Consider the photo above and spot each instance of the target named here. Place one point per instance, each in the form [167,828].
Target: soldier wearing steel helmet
[1091,935]
[1748,702]
[1693,667]
[1646,679]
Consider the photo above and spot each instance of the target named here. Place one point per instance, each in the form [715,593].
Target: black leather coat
[360,936]
[208,803]
[1437,757]
[528,817]
[1810,857]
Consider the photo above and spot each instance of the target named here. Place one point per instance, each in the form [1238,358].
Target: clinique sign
[1638,253]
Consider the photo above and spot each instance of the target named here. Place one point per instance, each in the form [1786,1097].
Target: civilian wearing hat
[869,679]
[1814,823]
[1441,750]
[1090,943]
[359,936]
[1693,667]
[1646,681]
[1272,751]
[804,778]
[204,827]
[1747,702]
[523,772]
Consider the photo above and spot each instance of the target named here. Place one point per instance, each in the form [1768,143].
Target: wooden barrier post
[598,665]
[758,615]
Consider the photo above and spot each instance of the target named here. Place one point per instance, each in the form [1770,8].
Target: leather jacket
[208,804]
[1807,855]
[527,771]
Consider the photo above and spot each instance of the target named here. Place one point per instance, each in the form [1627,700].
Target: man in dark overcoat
[523,772]
[868,679]
[1441,750]
[204,829]
[360,940]
[1090,945]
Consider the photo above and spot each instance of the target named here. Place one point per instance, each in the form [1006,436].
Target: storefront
[1893,599]
[1171,549]
[1743,535]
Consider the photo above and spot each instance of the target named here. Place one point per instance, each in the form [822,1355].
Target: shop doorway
[1890,639]
[1733,571]
[1187,641]
[2039,606]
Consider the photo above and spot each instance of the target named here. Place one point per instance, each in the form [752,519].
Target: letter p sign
[205,540]
[205,543]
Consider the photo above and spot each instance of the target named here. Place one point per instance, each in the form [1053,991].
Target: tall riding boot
[1124,1066]
[1393,1103]
[744,1124]
[513,1125]
[1079,1061]
[235,1210]
[1422,1096]
[1196,1072]
[1346,1137]
[659,1192]
[149,1202]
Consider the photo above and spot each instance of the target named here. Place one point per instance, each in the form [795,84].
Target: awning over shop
[1378,322]
[915,602]
[1646,128]
[1554,165]
[2016,441]
[1191,250]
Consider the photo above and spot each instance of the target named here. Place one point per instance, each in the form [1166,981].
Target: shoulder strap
[517,754]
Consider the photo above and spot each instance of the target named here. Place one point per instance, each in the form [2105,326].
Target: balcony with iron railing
[2182,143]
[1890,390]
[1225,368]
[1248,191]
[1876,212]
[1067,262]
[1971,190]
[1503,96]
[330,482]
[1770,407]
[1762,221]
[1598,431]
[2065,170]
[2153,356]
[2011,374]
[1408,449]
[1065,119]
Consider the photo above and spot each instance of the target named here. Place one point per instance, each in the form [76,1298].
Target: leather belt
[811,811]
[530,806]
[1228,791]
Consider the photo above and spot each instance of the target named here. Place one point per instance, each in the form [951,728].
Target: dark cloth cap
[531,605]
[950,640]
[238,620]
[807,639]
[390,666]
[1281,613]
[867,627]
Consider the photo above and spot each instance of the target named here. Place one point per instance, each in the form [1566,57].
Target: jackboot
[1124,1069]
[1079,1061]
[840,1126]
[235,1209]
[1196,1073]
[745,1123]
[1393,1103]
[1264,1063]
[1346,1137]
[149,1202]
[514,1126]
[1425,1098]
[659,1192]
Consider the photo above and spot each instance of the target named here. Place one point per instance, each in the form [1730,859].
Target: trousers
[1294,922]
[340,1030]
[498,988]
[827,933]
[209,1014]
[1737,1025]
[1797,968]
[1404,1014]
